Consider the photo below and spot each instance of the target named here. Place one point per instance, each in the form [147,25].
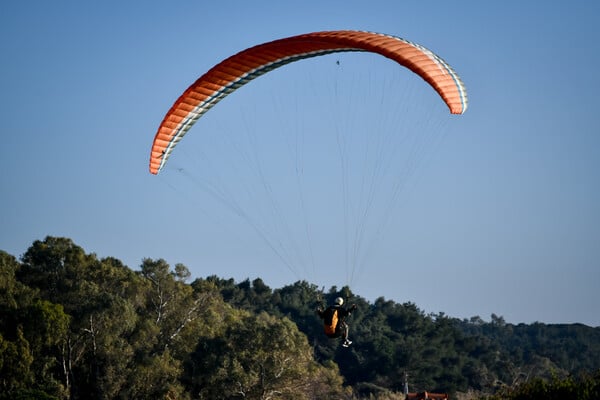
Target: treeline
[437,352]
[73,326]
[582,387]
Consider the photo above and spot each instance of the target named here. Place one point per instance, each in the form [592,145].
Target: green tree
[30,328]
[155,377]
[257,357]
[15,364]
[173,306]
[46,328]
[99,298]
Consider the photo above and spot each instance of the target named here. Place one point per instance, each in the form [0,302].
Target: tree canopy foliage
[73,326]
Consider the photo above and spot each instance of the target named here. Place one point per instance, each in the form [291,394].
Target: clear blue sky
[501,216]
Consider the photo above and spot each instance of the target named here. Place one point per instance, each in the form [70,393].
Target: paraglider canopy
[248,64]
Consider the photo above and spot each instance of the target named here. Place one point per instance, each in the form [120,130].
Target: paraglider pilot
[334,320]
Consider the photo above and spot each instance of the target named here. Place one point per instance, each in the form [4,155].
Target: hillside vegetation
[73,326]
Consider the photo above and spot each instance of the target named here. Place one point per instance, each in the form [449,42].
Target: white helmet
[339,301]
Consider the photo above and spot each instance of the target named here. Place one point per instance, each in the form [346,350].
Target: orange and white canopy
[248,64]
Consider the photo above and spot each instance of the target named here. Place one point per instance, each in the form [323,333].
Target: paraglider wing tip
[458,109]
[154,170]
